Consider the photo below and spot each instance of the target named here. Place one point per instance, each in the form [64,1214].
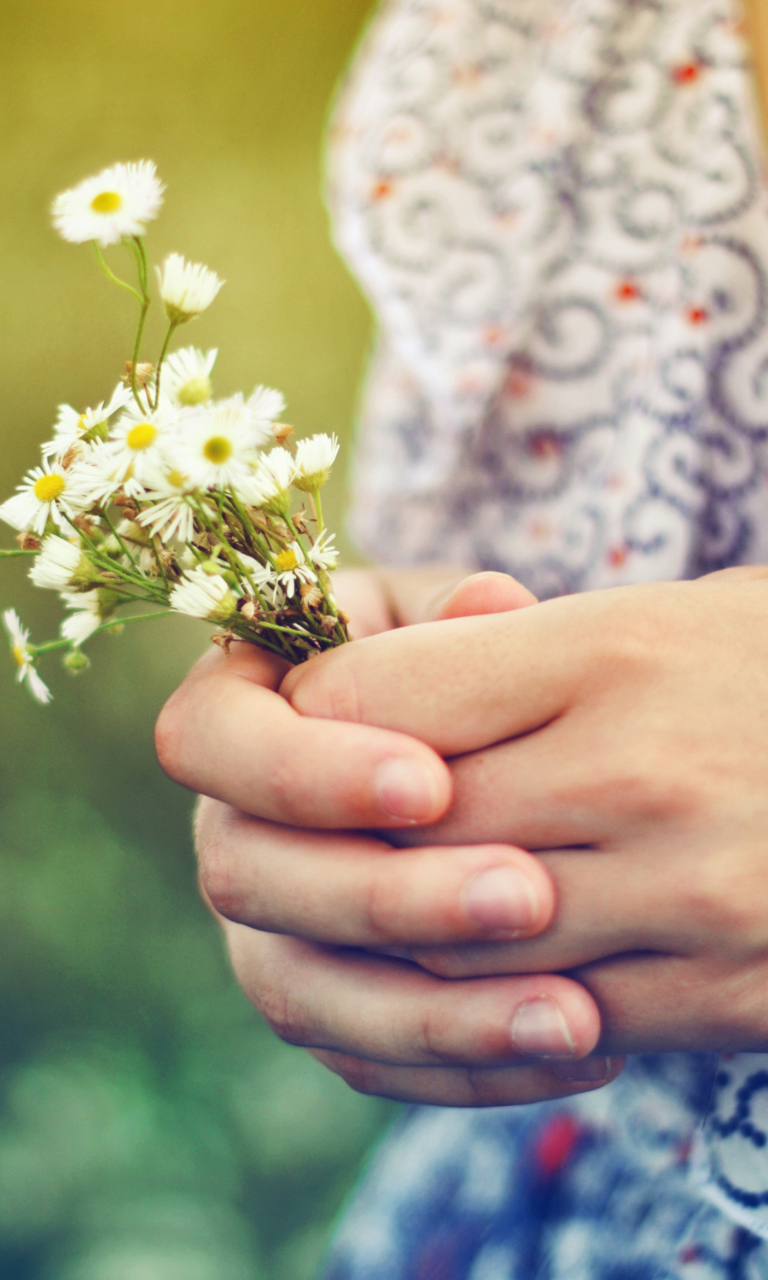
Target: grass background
[150,1127]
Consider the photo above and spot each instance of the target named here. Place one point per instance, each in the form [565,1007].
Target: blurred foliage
[150,1127]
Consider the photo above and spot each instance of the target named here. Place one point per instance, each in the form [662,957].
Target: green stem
[8,555]
[318,512]
[37,649]
[111,275]
[173,325]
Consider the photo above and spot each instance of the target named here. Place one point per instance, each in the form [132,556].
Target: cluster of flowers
[165,495]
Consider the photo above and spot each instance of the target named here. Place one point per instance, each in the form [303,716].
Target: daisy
[204,595]
[171,514]
[24,657]
[314,458]
[293,567]
[187,376]
[136,441]
[73,429]
[86,618]
[322,553]
[117,202]
[270,486]
[186,288]
[214,445]
[60,564]
[47,492]
[266,405]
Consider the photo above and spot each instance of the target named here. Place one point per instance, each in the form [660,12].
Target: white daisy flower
[96,474]
[171,514]
[270,486]
[266,405]
[45,492]
[136,441]
[86,618]
[186,376]
[323,553]
[315,456]
[293,567]
[186,288]
[204,595]
[214,445]
[73,429]
[117,202]
[59,564]
[24,657]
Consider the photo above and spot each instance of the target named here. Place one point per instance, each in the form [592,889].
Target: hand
[386,1026]
[633,754]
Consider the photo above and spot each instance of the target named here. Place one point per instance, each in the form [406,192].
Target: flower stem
[111,275]
[173,325]
[50,645]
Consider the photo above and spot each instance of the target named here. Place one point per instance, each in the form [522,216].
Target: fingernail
[585,1069]
[501,899]
[405,790]
[539,1027]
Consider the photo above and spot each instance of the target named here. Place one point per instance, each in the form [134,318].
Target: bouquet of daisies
[164,496]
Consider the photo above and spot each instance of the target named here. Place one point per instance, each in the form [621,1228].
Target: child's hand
[636,762]
[387,1026]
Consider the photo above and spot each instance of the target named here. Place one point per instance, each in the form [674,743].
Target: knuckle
[330,692]
[218,875]
[360,1074]
[169,735]
[383,906]
[444,962]
[283,1013]
[725,905]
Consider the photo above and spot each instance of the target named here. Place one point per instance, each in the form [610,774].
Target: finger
[669,1004]
[470,1087]
[226,733]
[483,593]
[607,903]
[440,681]
[354,890]
[392,1011]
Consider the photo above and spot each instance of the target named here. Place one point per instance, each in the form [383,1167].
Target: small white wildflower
[59,564]
[45,492]
[293,567]
[24,657]
[136,441]
[202,595]
[323,553]
[214,444]
[88,615]
[186,288]
[266,405]
[315,456]
[270,486]
[73,429]
[117,202]
[171,514]
[186,376]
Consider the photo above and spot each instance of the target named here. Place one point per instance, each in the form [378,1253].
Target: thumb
[487,592]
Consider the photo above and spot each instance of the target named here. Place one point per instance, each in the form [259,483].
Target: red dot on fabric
[518,385]
[555,1144]
[381,190]
[545,445]
[697,315]
[627,291]
[687,73]
[617,556]
[690,1254]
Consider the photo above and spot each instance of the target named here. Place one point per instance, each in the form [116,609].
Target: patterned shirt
[559,213]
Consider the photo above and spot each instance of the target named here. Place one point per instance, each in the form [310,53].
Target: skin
[621,778]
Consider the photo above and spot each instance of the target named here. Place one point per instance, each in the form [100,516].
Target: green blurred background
[151,1128]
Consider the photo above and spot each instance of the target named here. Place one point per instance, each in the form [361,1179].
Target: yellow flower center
[194,391]
[217,449]
[177,479]
[19,655]
[49,488]
[286,560]
[106,202]
[141,437]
